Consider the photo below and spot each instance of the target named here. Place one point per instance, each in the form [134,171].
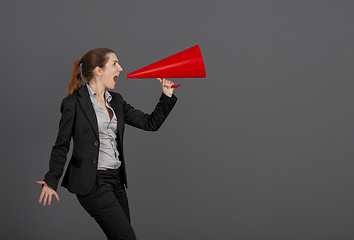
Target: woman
[95,118]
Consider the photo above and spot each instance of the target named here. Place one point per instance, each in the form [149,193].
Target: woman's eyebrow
[115,61]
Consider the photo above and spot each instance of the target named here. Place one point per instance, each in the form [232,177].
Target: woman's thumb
[41,182]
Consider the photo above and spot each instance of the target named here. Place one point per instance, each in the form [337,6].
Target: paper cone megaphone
[186,64]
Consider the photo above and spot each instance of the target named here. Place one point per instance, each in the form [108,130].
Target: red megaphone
[186,64]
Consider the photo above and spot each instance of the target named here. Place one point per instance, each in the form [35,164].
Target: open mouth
[115,78]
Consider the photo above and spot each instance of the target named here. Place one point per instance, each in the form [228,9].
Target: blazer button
[94,160]
[95,143]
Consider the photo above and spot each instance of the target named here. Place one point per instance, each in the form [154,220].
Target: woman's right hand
[47,191]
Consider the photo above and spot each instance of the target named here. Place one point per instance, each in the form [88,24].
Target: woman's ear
[98,71]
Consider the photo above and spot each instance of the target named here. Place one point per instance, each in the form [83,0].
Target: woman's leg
[103,205]
[121,195]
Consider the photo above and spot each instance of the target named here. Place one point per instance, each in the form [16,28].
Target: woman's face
[111,71]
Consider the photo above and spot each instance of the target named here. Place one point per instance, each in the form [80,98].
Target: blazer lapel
[117,107]
[86,105]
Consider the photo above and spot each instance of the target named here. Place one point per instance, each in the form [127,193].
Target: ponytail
[75,80]
[94,57]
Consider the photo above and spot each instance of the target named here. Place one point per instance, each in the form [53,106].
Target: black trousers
[107,203]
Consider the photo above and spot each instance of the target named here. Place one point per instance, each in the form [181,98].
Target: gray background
[260,149]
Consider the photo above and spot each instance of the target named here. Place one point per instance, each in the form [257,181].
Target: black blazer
[78,120]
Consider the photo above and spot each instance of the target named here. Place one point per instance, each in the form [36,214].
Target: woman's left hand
[166,86]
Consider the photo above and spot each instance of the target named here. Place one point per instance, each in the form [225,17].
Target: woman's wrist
[168,94]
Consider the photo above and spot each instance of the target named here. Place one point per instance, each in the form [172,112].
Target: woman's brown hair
[91,59]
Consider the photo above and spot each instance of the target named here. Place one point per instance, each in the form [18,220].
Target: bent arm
[153,121]
[61,147]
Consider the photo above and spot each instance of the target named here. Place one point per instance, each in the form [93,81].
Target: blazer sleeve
[61,147]
[153,121]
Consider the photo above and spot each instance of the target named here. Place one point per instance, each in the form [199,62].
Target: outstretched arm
[153,121]
[61,147]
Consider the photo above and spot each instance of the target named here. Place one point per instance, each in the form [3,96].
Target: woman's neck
[98,89]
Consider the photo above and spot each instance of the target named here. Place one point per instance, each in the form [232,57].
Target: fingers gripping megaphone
[185,64]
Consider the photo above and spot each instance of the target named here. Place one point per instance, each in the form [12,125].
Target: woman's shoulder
[115,95]
[71,99]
